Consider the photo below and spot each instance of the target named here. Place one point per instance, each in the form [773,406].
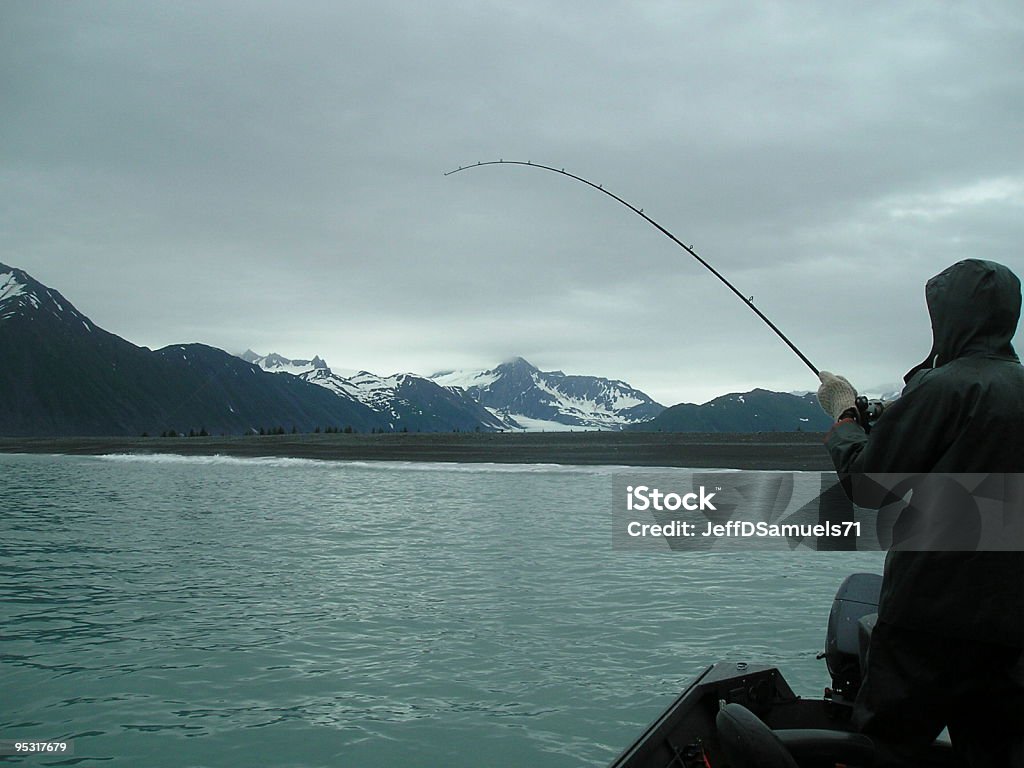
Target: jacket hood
[974,307]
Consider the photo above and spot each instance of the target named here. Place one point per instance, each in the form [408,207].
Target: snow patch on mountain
[379,392]
[524,423]
[16,294]
[9,286]
[365,387]
[464,379]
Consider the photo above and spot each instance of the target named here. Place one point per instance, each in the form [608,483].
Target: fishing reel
[868,411]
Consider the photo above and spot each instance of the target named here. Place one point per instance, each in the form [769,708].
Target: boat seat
[818,747]
[748,743]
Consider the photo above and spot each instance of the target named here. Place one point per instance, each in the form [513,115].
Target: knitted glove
[836,394]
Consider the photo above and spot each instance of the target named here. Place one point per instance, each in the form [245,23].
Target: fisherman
[948,645]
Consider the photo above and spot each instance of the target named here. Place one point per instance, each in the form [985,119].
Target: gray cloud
[269,176]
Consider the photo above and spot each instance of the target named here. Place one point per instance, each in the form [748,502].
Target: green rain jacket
[962,411]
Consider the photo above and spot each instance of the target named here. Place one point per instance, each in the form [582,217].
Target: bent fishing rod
[640,212]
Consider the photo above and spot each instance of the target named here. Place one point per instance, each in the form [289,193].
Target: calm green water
[164,611]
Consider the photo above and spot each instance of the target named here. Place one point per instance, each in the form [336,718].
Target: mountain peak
[17,284]
[22,294]
[275,363]
[523,396]
[517,363]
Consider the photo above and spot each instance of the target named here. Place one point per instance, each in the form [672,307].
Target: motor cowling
[849,628]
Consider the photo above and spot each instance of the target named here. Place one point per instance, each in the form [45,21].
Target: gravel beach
[775,450]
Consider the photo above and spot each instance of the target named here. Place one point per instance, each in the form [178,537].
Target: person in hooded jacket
[947,646]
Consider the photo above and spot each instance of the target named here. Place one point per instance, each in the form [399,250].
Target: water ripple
[187,611]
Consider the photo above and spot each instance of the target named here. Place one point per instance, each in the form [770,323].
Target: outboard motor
[850,622]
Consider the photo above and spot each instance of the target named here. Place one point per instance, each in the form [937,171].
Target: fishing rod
[688,248]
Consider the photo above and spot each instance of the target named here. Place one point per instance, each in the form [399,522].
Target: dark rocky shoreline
[770,450]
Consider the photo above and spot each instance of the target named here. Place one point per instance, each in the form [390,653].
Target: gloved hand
[835,394]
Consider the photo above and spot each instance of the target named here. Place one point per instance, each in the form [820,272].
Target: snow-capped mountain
[274,363]
[403,400]
[515,395]
[21,294]
[524,397]
[62,375]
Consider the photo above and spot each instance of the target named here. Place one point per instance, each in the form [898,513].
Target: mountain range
[404,401]
[515,395]
[63,375]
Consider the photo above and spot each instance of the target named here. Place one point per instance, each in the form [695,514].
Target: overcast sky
[269,175]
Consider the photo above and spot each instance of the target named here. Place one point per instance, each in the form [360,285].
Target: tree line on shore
[280,430]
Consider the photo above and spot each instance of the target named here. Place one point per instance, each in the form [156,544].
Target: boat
[745,715]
